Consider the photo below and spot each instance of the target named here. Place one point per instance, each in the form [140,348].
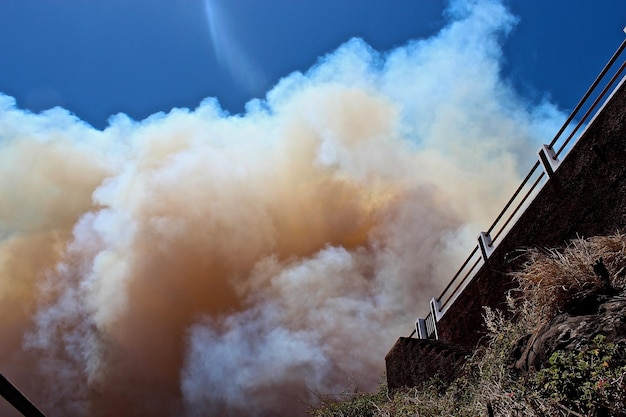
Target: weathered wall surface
[406,366]
[586,197]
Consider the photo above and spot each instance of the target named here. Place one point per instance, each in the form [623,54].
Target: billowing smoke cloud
[201,264]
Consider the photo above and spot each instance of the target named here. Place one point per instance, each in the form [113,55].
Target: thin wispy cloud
[229,51]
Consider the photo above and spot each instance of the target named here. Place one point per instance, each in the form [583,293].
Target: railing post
[549,160]
[435,311]
[420,327]
[486,245]
[435,308]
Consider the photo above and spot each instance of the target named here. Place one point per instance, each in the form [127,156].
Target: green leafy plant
[588,381]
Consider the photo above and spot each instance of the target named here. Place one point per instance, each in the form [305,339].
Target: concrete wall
[586,197]
[406,366]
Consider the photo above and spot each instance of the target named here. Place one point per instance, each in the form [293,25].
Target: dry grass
[553,280]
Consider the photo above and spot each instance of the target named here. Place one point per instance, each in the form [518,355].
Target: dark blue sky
[98,58]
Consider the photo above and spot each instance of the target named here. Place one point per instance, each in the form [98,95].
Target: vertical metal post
[435,311]
[548,159]
[486,245]
[420,326]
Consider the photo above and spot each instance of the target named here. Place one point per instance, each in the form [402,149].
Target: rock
[573,330]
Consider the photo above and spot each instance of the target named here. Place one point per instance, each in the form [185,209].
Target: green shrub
[589,381]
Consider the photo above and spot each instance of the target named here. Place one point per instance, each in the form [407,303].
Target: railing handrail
[592,87]
[527,196]
[593,106]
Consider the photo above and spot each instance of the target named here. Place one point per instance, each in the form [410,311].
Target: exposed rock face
[599,314]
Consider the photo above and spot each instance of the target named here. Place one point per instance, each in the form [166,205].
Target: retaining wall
[585,197]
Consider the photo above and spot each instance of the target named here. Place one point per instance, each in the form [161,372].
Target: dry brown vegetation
[552,280]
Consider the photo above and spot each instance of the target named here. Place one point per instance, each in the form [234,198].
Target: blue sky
[98,58]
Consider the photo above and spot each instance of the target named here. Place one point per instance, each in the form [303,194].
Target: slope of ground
[559,349]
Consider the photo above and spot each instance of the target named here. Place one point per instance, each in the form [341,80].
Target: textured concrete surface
[413,361]
[585,197]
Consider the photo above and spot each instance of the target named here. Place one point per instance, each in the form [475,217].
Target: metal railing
[525,193]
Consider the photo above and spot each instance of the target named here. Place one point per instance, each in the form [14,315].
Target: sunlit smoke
[196,263]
